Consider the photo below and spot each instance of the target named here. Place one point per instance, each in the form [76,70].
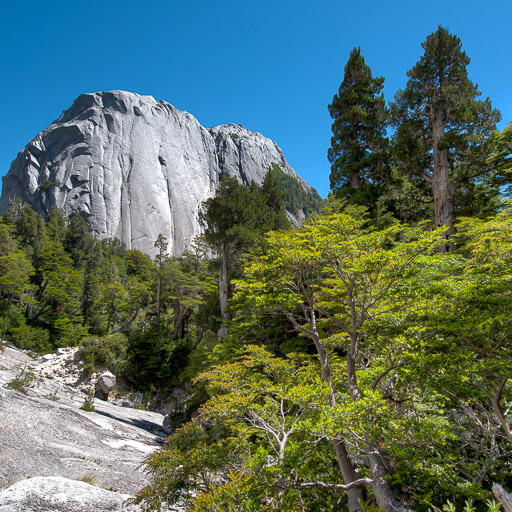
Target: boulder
[106,382]
[58,494]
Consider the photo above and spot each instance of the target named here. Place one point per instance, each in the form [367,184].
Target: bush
[31,338]
[109,351]
[88,405]
[13,327]
[23,379]
[156,359]
[10,317]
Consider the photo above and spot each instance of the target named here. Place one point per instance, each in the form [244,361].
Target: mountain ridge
[136,167]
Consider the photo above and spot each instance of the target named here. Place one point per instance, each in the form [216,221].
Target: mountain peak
[135,167]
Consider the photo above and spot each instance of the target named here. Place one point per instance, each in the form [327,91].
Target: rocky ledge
[45,434]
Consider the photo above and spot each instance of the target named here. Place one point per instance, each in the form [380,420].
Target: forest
[359,361]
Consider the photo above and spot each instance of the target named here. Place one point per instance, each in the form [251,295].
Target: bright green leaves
[253,441]
[15,277]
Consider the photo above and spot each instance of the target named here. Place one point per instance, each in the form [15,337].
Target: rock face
[45,433]
[135,167]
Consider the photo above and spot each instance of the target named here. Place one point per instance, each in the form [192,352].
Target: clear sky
[272,66]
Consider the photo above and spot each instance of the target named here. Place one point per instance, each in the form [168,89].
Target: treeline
[145,319]
[60,287]
[360,366]
[366,360]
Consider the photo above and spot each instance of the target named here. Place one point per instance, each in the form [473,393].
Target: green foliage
[70,332]
[199,359]
[88,404]
[27,337]
[108,351]
[359,152]
[248,451]
[414,365]
[295,198]
[47,185]
[24,379]
[500,158]
[156,360]
[238,215]
[443,132]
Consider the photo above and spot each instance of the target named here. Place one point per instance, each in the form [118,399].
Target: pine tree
[359,146]
[443,131]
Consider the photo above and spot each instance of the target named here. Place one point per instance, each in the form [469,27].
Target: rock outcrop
[44,431]
[58,494]
[135,167]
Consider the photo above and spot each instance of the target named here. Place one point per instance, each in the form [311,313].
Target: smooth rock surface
[58,494]
[45,433]
[135,167]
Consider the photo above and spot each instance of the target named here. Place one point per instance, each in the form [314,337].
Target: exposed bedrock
[135,167]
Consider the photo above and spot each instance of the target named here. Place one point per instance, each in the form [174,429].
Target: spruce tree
[359,146]
[443,130]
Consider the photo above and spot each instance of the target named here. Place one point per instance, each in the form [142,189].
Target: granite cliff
[135,167]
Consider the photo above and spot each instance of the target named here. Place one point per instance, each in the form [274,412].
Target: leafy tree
[60,288]
[443,131]
[56,224]
[333,279]
[359,152]
[15,278]
[500,158]
[30,232]
[235,218]
[108,351]
[7,242]
[251,450]
[161,245]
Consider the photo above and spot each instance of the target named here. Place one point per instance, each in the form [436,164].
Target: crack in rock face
[135,168]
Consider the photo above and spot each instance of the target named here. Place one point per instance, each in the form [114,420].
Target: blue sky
[272,66]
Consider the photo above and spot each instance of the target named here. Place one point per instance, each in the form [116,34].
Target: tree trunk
[223,289]
[354,180]
[503,497]
[501,418]
[387,498]
[353,388]
[158,292]
[356,494]
[179,320]
[443,188]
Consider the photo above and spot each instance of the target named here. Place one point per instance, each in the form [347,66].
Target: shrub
[24,379]
[31,338]
[89,402]
[109,351]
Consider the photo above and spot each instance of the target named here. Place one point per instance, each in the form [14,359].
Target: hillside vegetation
[360,361]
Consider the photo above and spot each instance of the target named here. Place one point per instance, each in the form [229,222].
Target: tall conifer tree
[359,146]
[443,131]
